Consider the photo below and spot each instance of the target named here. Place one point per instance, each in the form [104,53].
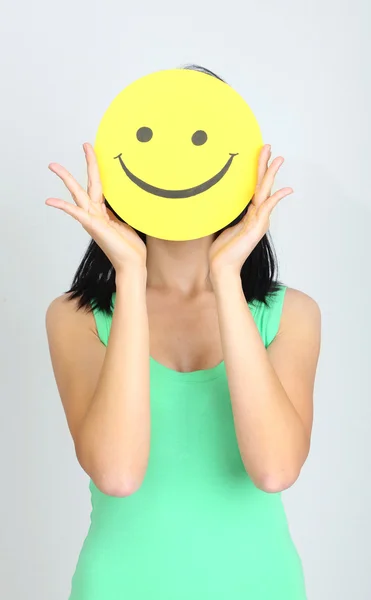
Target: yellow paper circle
[177,152]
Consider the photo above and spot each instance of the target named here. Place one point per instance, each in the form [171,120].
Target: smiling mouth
[193,191]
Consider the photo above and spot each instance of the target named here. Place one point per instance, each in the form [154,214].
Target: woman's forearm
[270,433]
[115,436]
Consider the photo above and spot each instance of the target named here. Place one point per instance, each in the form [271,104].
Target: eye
[199,137]
[144,134]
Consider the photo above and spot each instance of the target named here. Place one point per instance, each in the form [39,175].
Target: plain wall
[302,68]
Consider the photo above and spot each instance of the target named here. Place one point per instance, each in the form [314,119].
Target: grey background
[302,68]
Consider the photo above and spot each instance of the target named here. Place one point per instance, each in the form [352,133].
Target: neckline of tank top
[188,376]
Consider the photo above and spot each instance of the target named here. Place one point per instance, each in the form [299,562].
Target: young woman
[186,372]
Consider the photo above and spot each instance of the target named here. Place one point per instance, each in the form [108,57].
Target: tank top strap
[103,324]
[267,318]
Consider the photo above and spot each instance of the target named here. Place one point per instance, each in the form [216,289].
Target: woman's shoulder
[298,300]
[62,306]
[63,312]
[299,309]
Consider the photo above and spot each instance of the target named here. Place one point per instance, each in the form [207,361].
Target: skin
[105,391]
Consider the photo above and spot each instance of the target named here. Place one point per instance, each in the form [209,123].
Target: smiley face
[151,189]
[177,152]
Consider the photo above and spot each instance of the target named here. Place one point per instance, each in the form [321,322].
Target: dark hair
[94,281]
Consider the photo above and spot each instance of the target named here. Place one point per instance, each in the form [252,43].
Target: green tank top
[197,528]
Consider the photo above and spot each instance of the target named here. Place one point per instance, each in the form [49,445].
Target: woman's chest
[184,334]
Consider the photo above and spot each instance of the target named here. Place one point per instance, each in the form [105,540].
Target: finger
[94,182]
[78,194]
[265,188]
[70,209]
[273,200]
[264,157]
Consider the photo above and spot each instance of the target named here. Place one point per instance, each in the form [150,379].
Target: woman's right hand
[120,242]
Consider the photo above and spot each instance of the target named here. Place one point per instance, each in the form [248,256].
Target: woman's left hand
[232,247]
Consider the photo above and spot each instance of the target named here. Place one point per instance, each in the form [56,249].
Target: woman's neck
[179,266]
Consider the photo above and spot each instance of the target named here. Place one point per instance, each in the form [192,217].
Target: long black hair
[94,281]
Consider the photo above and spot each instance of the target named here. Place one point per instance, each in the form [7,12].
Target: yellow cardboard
[177,152]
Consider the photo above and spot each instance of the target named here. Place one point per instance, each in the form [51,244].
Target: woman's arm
[271,389]
[105,391]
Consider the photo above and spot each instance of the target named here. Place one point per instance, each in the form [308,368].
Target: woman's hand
[120,242]
[230,250]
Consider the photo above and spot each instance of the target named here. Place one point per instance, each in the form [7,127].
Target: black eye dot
[199,137]
[144,134]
